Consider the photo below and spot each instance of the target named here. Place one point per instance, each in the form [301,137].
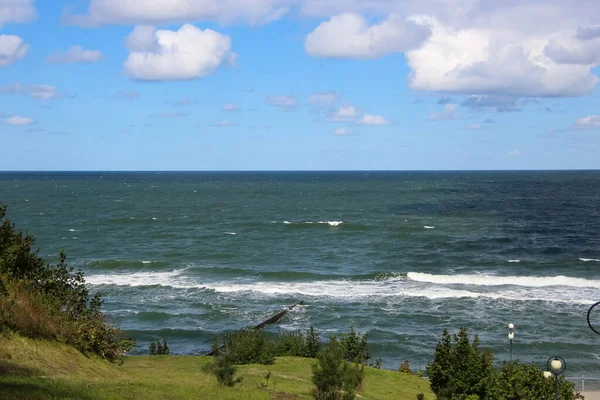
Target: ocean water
[398,255]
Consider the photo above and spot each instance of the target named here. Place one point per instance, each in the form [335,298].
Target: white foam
[429,227]
[146,262]
[154,218]
[589,259]
[343,290]
[331,223]
[73,230]
[514,261]
[230,233]
[286,222]
[497,280]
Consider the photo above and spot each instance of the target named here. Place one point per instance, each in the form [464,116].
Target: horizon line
[299,170]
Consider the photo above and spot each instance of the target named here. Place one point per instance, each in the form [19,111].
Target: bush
[222,365]
[45,301]
[356,347]
[250,347]
[525,382]
[460,369]
[157,349]
[335,378]
[405,368]
[152,347]
[298,344]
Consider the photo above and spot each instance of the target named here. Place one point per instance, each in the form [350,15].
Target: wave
[514,261]
[350,290]
[330,223]
[116,264]
[429,227]
[497,280]
[589,259]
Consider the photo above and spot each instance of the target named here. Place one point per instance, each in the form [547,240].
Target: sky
[299,84]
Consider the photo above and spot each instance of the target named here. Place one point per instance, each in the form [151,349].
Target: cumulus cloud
[369,119]
[20,121]
[16,11]
[325,98]
[478,102]
[175,55]
[589,122]
[575,50]
[348,35]
[41,92]
[282,102]
[75,54]
[168,11]
[12,49]
[344,114]
[447,114]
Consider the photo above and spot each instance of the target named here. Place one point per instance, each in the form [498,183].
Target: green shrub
[405,368]
[356,347]
[152,347]
[222,366]
[335,378]
[460,368]
[45,301]
[526,382]
[251,347]
[298,344]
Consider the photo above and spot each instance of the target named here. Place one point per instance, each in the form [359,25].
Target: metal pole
[510,350]
[556,393]
[582,385]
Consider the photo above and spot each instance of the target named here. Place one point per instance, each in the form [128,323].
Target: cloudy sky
[299,84]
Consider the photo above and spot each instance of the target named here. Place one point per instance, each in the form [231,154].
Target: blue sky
[299,85]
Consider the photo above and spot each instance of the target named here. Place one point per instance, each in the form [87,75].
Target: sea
[400,256]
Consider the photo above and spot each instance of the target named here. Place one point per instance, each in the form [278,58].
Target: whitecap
[429,227]
[230,233]
[498,280]
[286,222]
[73,230]
[589,260]
[154,218]
[146,262]
[514,261]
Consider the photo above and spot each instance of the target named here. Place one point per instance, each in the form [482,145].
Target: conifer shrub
[356,346]
[334,377]
[298,344]
[223,365]
[152,347]
[44,301]
[405,368]
[250,347]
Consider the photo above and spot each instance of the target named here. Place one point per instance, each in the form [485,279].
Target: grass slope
[32,369]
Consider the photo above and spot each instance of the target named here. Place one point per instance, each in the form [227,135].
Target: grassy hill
[33,369]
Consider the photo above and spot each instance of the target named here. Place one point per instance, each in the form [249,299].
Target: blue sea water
[397,255]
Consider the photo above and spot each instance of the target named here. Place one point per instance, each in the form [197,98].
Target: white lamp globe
[511,335]
[556,365]
[547,374]
[511,326]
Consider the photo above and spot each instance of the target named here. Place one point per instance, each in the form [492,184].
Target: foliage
[356,347]
[298,344]
[405,368]
[460,369]
[334,377]
[152,347]
[420,396]
[222,366]
[250,347]
[526,382]
[46,301]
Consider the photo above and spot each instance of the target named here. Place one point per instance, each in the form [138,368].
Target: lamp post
[555,366]
[511,336]
[588,318]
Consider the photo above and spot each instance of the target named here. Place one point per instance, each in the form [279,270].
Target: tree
[517,381]
[333,377]
[460,369]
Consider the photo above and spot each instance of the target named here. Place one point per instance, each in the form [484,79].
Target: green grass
[31,369]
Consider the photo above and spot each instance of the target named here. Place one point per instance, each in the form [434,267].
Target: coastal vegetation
[56,343]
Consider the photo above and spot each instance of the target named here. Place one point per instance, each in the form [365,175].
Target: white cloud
[20,121]
[128,94]
[75,54]
[589,122]
[514,153]
[223,123]
[282,102]
[167,11]
[447,114]
[373,120]
[344,114]
[230,107]
[348,35]
[16,11]
[41,92]
[341,131]
[574,50]
[175,55]
[168,114]
[325,98]
[12,49]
